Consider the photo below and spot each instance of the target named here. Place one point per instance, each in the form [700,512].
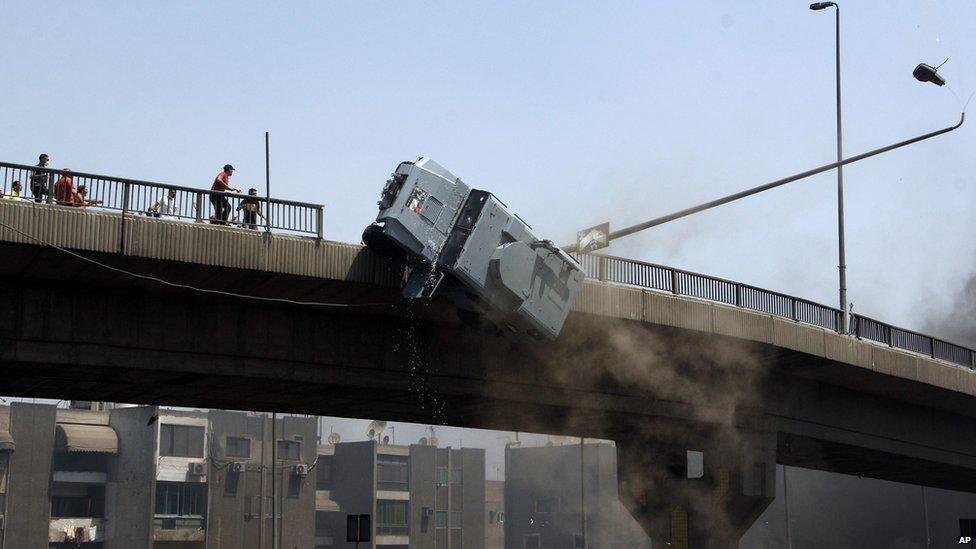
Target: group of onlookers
[65,193]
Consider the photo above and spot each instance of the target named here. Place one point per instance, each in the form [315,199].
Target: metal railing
[135,197]
[178,522]
[668,279]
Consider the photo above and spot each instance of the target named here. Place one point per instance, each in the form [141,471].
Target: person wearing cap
[221,206]
[14,194]
[38,179]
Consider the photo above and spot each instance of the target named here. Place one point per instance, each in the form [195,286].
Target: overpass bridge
[660,360]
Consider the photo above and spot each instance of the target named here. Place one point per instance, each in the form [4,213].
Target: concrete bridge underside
[664,376]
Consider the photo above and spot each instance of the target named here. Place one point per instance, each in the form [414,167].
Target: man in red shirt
[221,206]
[64,189]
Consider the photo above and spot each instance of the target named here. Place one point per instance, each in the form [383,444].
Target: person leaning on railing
[81,198]
[64,190]
[166,206]
[219,201]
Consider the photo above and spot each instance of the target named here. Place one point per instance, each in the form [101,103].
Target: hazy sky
[573,113]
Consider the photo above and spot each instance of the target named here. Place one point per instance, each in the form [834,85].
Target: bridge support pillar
[698,490]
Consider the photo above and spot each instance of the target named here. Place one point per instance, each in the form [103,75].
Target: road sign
[594,238]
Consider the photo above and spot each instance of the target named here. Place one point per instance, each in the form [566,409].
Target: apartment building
[153,478]
[543,508]
[419,496]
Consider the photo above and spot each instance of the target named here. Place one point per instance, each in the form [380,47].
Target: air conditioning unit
[198,468]
[300,469]
[236,467]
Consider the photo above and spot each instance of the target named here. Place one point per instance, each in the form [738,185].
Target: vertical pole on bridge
[267,183]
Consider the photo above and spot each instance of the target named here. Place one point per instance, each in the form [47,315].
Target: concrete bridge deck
[326,271]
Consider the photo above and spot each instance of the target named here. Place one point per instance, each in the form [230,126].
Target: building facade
[419,496]
[143,477]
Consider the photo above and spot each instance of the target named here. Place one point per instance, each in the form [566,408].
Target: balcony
[179,528]
[78,530]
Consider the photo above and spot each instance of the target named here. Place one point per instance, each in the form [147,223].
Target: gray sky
[573,114]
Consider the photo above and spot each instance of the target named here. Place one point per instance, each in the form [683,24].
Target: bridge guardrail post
[199,207]
[932,347]
[602,269]
[675,283]
[125,198]
[793,310]
[50,187]
[125,211]
[738,295]
[319,216]
[890,340]
[972,359]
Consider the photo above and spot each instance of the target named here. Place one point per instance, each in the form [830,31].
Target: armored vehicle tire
[382,245]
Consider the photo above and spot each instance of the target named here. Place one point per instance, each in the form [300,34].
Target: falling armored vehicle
[465,243]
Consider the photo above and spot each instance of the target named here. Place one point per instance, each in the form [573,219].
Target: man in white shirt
[166,206]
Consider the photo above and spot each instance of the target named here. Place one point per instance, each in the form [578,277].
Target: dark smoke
[959,325]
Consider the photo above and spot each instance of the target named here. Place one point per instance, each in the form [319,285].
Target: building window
[455,519]
[181,499]
[456,476]
[238,447]
[440,519]
[392,518]
[69,500]
[544,505]
[290,450]
[323,473]
[392,473]
[440,475]
[180,440]
[532,541]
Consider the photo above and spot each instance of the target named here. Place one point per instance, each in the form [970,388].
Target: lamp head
[928,73]
[821,5]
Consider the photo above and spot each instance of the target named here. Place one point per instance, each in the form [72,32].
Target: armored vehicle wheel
[382,245]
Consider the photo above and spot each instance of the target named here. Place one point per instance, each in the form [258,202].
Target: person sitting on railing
[14,194]
[252,209]
[166,206]
[82,200]
[221,205]
[64,190]
[38,179]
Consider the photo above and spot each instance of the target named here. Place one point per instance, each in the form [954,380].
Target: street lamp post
[841,253]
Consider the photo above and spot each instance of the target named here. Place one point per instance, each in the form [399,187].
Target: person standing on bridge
[38,179]
[221,206]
